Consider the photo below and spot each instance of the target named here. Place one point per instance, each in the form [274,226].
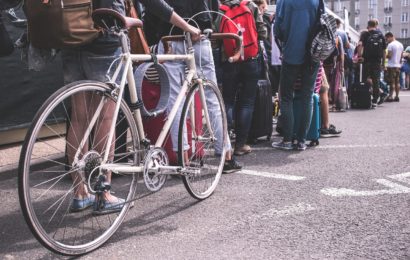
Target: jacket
[294,22]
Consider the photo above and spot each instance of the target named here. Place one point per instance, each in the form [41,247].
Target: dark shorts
[393,76]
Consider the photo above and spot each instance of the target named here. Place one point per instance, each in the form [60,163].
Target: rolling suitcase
[361,96]
[313,133]
[263,109]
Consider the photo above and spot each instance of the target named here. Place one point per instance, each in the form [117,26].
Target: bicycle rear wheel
[204,158]
[48,178]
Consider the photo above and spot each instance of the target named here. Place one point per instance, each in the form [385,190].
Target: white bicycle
[46,178]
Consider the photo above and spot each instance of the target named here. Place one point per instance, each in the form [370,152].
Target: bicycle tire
[67,232]
[205,162]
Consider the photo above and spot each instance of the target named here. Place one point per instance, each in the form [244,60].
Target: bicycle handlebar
[213,36]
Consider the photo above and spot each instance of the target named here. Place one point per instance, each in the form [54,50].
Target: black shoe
[300,146]
[396,99]
[330,132]
[231,166]
[383,97]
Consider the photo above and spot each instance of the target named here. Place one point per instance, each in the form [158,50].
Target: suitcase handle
[361,72]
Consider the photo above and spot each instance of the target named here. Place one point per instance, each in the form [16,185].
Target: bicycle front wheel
[54,173]
[202,143]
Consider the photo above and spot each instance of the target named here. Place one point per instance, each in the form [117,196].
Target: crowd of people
[278,39]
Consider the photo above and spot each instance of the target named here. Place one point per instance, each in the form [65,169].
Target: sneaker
[231,166]
[383,97]
[374,105]
[78,205]
[396,99]
[286,146]
[242,150]
[300,146]
[330,132]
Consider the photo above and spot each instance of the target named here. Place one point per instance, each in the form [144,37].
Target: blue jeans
[288,77]
[247,73]
[206,69]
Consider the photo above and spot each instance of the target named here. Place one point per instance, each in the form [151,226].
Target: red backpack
[242,16]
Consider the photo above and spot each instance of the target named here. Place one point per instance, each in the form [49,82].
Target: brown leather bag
[60,23]
[137,38]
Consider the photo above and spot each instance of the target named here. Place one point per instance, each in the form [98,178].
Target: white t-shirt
[275,52]
[396,49]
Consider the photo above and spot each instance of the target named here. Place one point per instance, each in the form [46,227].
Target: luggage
[262,112]
[60,24]
[6,45]
[313,133]
[361,92]
[263,109]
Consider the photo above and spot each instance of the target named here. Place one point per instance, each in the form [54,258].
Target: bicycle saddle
[108,18]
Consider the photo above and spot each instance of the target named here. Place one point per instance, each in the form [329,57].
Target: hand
[195,33]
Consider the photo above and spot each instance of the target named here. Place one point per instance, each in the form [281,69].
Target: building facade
[393,15]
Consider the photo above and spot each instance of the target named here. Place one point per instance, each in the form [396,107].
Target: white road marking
[343,146]
[402,177]
[394,188]
[360,146]
[273,175]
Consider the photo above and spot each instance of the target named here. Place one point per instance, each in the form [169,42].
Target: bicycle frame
[127,75]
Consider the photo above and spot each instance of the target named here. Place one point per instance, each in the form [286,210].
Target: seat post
[124,42]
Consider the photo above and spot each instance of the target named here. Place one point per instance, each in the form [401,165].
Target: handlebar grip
[238,42]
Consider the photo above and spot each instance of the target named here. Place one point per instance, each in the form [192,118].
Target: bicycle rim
[206,156]
[46,186]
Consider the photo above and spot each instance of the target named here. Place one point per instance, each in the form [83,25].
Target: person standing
[372,49]
[394,55]
[241,97]
[294,20]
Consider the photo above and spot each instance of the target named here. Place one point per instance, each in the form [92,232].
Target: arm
[165,12]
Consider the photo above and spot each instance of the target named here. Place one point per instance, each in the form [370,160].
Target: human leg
[309,74]
[250,73]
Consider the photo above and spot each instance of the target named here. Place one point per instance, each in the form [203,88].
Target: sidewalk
[9,158]
[10,155]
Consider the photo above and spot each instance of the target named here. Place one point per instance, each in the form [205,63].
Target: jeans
[373,70]
[206,69]
[247,73]
[286,94]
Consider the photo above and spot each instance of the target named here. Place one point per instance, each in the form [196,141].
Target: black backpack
[374,46]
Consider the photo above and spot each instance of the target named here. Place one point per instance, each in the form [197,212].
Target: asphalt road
[349,198]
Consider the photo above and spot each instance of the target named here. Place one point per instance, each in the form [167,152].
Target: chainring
[153,178]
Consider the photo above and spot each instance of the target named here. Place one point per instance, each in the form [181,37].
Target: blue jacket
[293,22]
